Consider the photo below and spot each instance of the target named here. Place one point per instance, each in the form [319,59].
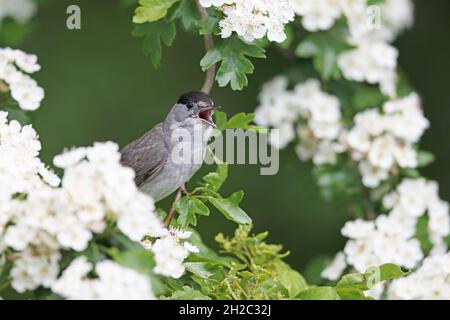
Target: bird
[157,173]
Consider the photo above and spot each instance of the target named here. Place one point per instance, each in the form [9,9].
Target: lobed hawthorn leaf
[232,54]
[152,10]
[155,34]
[221,120]
[186,11]
[209,25]
[230,208]
[189,207]
[240,120]
[215,180]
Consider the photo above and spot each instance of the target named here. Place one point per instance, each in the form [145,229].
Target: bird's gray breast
[184,159]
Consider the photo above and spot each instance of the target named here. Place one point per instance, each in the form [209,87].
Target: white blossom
[317,14]
[113,282]
[170,252]
[335,269]
[391,238]
[15,65]
[380,141]
[281,108]
[252,19]
[429,282]
[95,188]
[21,171]
[382,22]
[19,10]
[372,62]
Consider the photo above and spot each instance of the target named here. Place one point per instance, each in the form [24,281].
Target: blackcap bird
[169,154]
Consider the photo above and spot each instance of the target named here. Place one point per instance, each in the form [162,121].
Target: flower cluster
[113,282]
[19,10]
[392,238]
[315,113]
[21,170]
[381,142]
[371,29]
[372,62]
[430,281]
[170,252]
[252,19]
[380,22]
[95,189]
[15,65]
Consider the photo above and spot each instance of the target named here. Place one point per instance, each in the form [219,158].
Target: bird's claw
[184,192]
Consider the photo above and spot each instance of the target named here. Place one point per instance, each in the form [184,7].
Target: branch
[209,44]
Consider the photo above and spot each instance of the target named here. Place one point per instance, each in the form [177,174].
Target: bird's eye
[190,105]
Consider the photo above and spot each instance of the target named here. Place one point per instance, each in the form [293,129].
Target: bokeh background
[99,86]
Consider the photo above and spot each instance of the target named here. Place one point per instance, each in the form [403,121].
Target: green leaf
[324,47]
[367,97]
[410,173]
[188,294]
[15,113]
[374,2]
[336,181]
[209,25]
[390,271]
[230,208]
[201,269]
[189,207]
[152,10]
[232,54]
[13,33]
[319,293]
[220,120]
[240,120]
[215,180]
[154,35]
[352,286]
[139,260]
[293,282]
[187,12]
[425,158]
[422,234]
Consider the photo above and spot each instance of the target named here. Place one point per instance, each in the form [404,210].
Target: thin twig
[171,213]
[206,88]
[209,44]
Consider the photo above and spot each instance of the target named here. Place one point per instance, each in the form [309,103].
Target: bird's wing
[146,155]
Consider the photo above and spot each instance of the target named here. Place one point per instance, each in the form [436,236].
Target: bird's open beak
[206,115]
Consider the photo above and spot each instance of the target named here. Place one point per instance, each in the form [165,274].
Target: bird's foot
[184,191]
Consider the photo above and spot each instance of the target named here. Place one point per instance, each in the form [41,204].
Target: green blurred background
[99,86]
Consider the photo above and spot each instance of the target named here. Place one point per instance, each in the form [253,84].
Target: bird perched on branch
[168,155]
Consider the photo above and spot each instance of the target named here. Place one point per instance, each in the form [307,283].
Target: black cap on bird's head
[195,97]
[200,105]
